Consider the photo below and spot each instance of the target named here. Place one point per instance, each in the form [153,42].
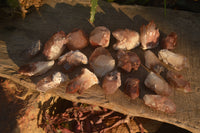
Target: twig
[125,120]
[103,116]
[138,121]
[129,126]
[141,128]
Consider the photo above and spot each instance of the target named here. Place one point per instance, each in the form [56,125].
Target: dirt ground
[22,112]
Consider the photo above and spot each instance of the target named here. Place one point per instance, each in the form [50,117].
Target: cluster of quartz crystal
[103,64]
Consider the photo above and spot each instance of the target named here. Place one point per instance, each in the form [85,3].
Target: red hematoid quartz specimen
[54,47]
[178,81]
[132,87]
[84,81]
[128,60]
[177,61]
[161,103]
[170,41]
[36,68]
[152,62]
[149,36]
[100,36]
[73,57]
[77,40]
[51,81]
[101,61]
[157,84]
[126,39]
[111,82]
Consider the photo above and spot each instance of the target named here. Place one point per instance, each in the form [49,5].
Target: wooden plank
[17,35]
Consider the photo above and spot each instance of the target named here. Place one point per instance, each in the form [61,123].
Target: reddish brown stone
[132,87]
[128,60]
[178,81]
[54,47]
[170,41]
[77,40]
[111,82]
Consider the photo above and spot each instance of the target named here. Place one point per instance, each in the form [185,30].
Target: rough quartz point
[126,39]
[101,61]
[177,61]
[152,62]
[77,40]
[161,103]
[54,47]
[132,87]
[100,36]
[149,36]
[128,60]
[36,68]
[111,82]
[170,41]
[74,58]
[51,82]
[178,81]
[84,81]
[157,84]
[33,50]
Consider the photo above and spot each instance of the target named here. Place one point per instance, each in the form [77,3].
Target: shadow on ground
[11,108]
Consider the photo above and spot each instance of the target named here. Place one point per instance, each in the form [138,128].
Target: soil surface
[22,112]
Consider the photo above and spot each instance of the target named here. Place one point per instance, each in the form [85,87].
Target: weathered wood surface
[17,35]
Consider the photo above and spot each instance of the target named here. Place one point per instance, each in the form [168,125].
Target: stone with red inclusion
[101,61]
[54,47]
[128,60]
[126,39]
[149,36]
[177,61]
[111,82]
[100,36]
[72,59]
[169,42]
[157,84]
[178,81]
[36,68]
[51,82]
[161,103]
[82,82]
[152,62]
[77,39]
[132,87]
